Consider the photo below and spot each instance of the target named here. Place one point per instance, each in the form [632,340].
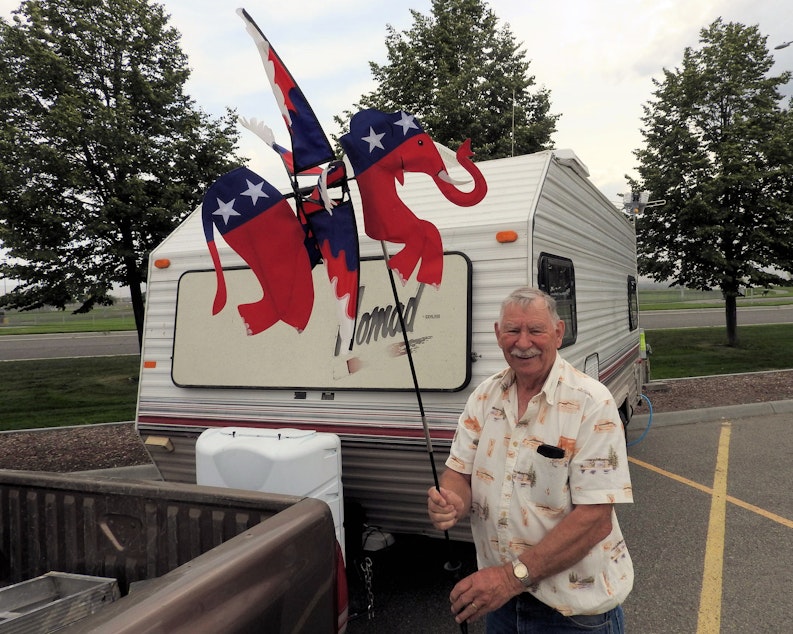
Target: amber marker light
[506,236]
[162,263]
[149,364]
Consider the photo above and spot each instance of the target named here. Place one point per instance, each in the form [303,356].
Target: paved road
[90,344]
[710,533]
[86,344]
[697,318]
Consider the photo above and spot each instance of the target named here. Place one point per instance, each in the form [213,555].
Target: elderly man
[538,460]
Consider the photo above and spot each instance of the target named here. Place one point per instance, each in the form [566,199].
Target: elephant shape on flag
[381,147]
[257,222]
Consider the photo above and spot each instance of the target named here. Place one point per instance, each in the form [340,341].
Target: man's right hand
[445,508]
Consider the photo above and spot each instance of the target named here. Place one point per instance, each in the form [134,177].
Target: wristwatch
[521,572]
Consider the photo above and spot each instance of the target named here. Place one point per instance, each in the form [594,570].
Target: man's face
[529,340]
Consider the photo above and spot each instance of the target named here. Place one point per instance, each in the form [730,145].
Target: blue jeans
[526,615]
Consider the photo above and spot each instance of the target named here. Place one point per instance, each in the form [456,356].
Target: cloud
[597,59]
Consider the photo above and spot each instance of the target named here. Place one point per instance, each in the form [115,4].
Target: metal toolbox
[53,601]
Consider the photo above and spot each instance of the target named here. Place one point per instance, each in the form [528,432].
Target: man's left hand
[482,592]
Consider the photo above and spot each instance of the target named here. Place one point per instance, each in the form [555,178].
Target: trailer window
[556,276]
[633,303]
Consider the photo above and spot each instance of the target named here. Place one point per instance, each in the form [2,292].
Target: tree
[719,150]
[462,76]
[101,152]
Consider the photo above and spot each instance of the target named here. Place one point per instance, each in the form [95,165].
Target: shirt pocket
[544,484]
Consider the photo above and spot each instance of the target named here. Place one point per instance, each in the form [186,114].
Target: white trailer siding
[549,205]
[574,220]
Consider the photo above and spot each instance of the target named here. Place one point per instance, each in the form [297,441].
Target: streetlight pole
[513,122]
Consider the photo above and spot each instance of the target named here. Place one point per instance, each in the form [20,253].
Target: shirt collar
[553,380]
[548,389]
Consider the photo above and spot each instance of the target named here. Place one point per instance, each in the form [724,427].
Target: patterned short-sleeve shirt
[518,495]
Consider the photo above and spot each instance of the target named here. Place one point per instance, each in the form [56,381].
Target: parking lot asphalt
[711,527]
[710,533]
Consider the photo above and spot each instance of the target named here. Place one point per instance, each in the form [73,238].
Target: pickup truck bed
[187,558]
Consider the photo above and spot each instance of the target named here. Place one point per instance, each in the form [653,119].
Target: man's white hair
[524,296]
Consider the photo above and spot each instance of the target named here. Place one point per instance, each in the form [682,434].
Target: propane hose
[649,422]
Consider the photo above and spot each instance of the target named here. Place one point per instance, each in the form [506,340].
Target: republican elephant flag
[381,147]
[257,222]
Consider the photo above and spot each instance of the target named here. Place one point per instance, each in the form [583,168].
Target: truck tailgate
[210,559]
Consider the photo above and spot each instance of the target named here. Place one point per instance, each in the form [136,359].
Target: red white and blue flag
[382,147]
[257,222]
[335,235]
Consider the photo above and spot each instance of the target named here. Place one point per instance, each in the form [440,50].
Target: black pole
[451,566]
[409,354]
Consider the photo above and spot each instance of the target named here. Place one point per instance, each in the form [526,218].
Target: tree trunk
[731,315]
[137,301]
[133,278]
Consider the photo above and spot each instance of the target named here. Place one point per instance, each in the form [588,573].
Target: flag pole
[450,566]
[409,354]
[453,565]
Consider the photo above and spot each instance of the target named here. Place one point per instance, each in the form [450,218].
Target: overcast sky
[597,58]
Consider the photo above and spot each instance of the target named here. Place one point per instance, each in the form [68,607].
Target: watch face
[521,573]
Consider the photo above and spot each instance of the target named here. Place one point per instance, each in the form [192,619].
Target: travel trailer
[542,223]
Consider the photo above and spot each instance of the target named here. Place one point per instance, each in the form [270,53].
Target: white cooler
[286,461]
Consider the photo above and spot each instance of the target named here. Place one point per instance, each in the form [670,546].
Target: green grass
[105,325]
[38,322]
[60,392]
[703,351]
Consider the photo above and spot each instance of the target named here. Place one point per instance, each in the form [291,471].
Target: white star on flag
[254,191]
[225,210]
[373,139]
[406,122]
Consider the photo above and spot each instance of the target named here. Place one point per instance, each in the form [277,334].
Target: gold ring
[473,605]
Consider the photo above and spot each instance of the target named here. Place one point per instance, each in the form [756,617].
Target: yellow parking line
[705,489]
[709,621]
[670,475]
[756,509]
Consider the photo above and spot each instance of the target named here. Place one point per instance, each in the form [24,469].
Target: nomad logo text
[383,323]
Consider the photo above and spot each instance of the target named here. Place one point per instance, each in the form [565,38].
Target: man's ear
[497,329]
[559,333]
